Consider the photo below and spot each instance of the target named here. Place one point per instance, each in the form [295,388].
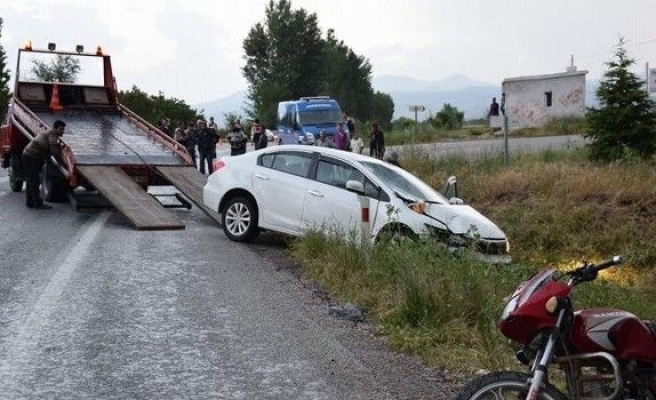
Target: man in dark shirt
[494,108]
[206,146]
[35,155]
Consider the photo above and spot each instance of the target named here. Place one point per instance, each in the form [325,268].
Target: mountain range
[467,95]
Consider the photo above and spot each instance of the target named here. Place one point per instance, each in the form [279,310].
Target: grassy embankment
[557,208]
[476,130]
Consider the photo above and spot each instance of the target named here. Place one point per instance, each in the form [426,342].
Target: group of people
[347,138]
[201,135]
[205,136]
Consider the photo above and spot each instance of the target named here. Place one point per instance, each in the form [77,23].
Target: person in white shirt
[357,145]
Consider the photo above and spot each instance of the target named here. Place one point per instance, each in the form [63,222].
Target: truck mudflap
[136,204]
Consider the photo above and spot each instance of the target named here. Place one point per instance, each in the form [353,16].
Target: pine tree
[625,124]
[4,80]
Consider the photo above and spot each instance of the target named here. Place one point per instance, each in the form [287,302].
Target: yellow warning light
[99,51]
[27,45]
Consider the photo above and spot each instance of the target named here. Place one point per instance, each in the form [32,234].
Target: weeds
[556,208]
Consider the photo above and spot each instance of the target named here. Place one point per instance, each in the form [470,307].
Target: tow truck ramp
[139,207]
[190,182]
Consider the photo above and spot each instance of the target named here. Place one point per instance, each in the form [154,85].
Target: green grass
[427,134]
[557,209]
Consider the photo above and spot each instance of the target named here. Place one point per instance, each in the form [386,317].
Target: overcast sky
[192,49]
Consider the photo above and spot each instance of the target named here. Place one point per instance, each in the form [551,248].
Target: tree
[62,68]
[4,80]
[347,77]
[625,123]
[286,59]
[382,109]
[284,54]
[154,108]
[449,118]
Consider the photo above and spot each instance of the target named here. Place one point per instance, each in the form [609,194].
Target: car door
[280,184]
[328,205]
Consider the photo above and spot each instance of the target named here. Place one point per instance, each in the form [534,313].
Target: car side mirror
[355,187]
[456,201]
[451,185]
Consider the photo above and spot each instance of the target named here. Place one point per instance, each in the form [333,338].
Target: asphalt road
[93,309]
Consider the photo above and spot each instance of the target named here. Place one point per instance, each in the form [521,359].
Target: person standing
[237,139]
[493,116]
[206,146]
[341,137]
[187,137]
[350,126]
[376,142]
[494,108]
[165,126]
[324,140]
[258,135]
[191,140]
[357,145]
[35,155]
[212,125]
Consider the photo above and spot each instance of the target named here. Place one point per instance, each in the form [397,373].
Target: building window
[547,98]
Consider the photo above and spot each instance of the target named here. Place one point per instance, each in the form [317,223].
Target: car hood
[460,219]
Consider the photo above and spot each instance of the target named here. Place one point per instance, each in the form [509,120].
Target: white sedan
[294,189]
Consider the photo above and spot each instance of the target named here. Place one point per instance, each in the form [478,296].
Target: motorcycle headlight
[510,307]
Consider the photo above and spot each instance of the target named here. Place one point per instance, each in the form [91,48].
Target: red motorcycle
[603,354]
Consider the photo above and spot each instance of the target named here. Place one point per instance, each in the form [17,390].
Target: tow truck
[108,151]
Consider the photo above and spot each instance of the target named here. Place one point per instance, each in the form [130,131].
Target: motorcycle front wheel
[505,386]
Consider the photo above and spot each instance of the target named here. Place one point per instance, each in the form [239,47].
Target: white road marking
[22,347]
[4,179]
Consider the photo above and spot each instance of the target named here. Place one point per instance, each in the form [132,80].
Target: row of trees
[287,58]
[155,107]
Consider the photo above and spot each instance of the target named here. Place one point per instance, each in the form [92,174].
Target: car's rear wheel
[239,219]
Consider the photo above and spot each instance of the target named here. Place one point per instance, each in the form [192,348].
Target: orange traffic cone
[54,99]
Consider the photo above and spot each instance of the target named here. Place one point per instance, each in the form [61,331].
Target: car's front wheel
[240,220]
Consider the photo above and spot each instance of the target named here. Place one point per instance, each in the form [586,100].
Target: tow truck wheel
[53,188]
[15,181]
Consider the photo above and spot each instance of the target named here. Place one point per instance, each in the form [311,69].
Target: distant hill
[235,103]
[467,95]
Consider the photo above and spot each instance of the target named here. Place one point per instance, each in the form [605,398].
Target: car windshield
[404,183]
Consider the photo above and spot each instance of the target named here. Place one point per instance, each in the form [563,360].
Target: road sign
[417,108]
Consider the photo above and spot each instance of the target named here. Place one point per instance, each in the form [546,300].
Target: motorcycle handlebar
[588,272]
[616,260]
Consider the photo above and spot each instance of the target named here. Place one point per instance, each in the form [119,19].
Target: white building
[531,101]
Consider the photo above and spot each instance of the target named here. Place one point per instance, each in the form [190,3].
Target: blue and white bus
[299,121]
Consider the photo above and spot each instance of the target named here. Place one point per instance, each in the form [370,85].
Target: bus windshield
[319,117]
